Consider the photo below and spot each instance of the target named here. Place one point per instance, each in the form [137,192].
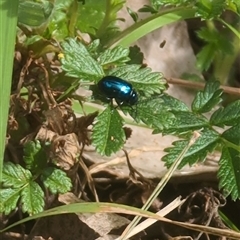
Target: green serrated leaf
[78,62]
[216,40]
[143,79]
[116,55]
[159,3]
[56,180]
[34,156]
[174,104]
[120,70]
[205,100]
[14,175]
[173,152]
[136,56]
[9,198]
[108,27]
[234,5]
[32,198]
[108,134]
[58,18]
[184,122]
[34,14]
[210,9]
[233,134]
[228,174]
[93,47]
[90,16]
[207,35]
[197,152]
[230,115]
[205,57]
[147,8]
[153,113]
[133,14]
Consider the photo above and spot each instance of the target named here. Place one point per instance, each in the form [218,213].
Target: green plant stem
[224,63]
[160,185]
[234,30]
[228,222]
[106,21]
[73,17]
[231,145]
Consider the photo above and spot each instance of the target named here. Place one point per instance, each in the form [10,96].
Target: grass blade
[8,23]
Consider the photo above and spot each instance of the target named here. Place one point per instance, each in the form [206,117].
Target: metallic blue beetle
[120,90]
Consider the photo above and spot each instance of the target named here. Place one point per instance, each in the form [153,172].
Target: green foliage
[217,46]
[133,14]
[229,115]
[56,180]
[90,16]
[163,113]
[116,55]
[208,99]
[210,9]
[228,174]
[53,27]
[8,12]
[197,152]
[228,142]
[204,9]
[35,157]
[18,184]
[21,187]
[34,14]
[153,113]
[78,62]
[221,46]
[108,135]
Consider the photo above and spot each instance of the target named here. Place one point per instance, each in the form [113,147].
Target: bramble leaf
[78,62]
[205,100]
[217,46]
[19,183]
[34,156]
[173,103]
[184,122]
[197,152]
[147,8]
[135,55]
[108,28]
[15,175]
[228,174]
[143,80]
[153,113]
[228,116]
[205,57]
[108,134]
[9,198]
[133,14]
[220,42]
[56,180]
[32,198]
[34,14]
[233,134]
[93,47]
[90,16]
[115,55]
[210,9]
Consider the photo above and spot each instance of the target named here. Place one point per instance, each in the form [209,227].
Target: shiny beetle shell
[119,89]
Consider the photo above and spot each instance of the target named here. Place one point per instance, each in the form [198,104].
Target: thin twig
[198,85]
